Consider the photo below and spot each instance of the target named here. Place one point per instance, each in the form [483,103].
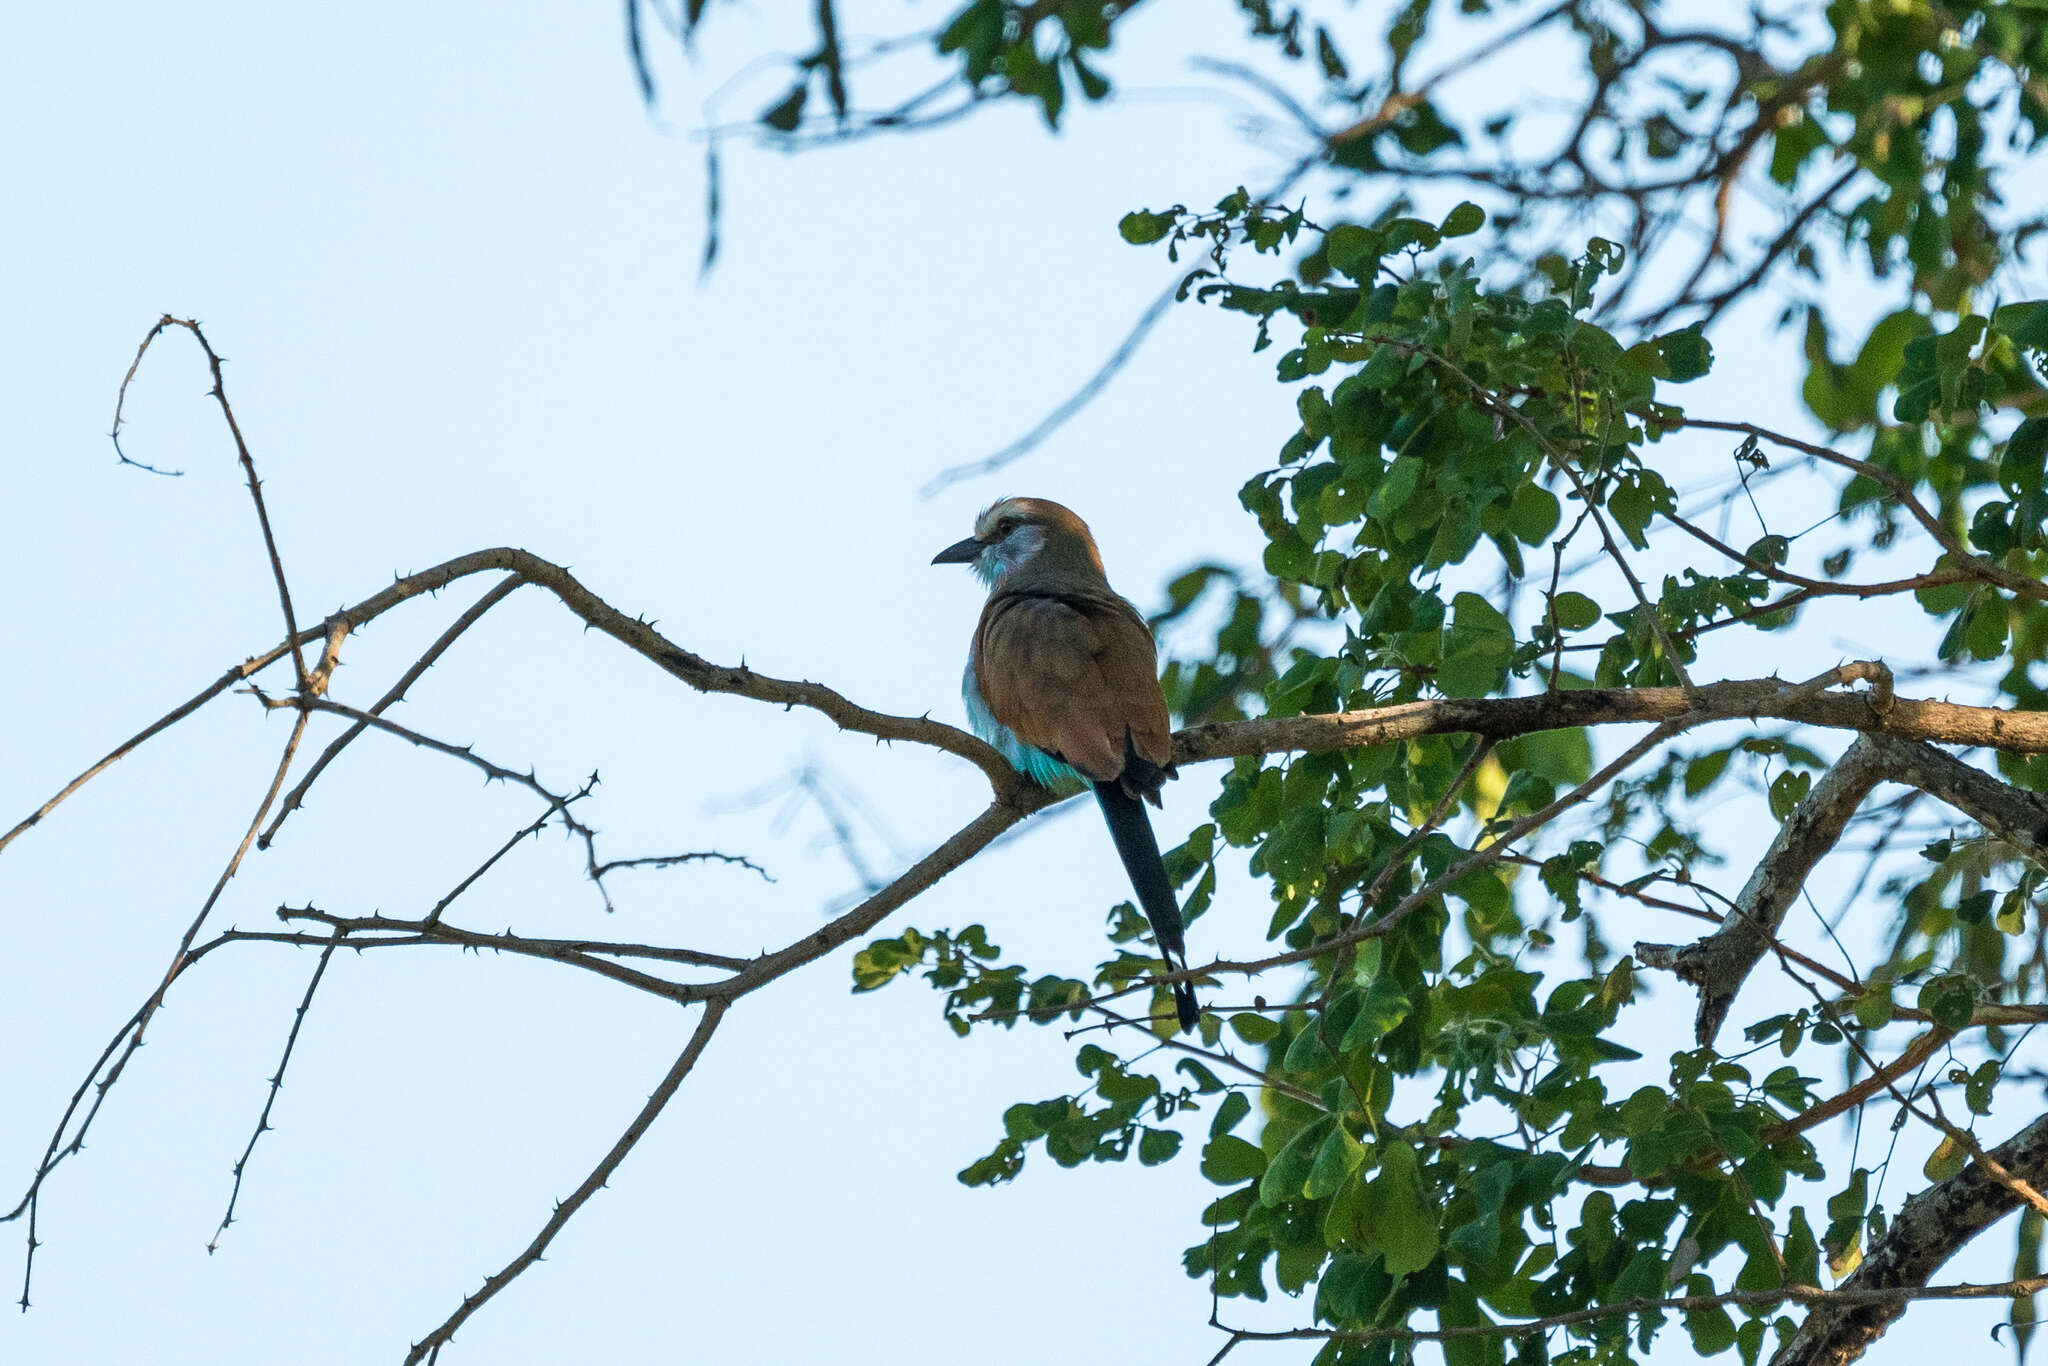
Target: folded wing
[1076,674]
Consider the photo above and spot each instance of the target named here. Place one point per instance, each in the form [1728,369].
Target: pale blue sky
[453,262]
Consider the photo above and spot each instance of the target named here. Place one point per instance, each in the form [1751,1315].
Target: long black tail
[1131,828]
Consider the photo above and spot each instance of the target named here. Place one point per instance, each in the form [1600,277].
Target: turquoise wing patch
[1029,760]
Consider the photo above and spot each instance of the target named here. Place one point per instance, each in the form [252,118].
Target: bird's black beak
[960,552]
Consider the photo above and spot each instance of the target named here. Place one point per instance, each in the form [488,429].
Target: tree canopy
[1505,686]
[1494,441]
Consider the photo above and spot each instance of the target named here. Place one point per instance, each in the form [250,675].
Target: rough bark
[1932,1227]
[1719,964]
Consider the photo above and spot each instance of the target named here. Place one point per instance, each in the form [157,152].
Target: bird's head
[1016,532]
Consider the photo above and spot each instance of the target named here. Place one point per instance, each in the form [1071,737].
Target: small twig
[465,753]
[671,860]
[1934,578]
[532,828]
[1923,1047]
[1064,413]
[276,1081]
[1179,1045]
[219,394]
[1987,570]
[1962,1138]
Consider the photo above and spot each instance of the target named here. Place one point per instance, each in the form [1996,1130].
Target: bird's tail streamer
[1131,828]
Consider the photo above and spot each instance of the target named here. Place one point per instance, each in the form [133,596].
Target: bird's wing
[1130,667]
[1076,674]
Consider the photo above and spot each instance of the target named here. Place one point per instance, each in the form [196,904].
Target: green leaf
[1254,1028]
[2012,913]
[1917,382]
[1405,233]
[1676,356]
[1478,647]
[1948,1158]
[1575,611]
[1288,1170]
[785,114]
[1142,227]
[1802,1252]
[1093,84]
[1395,488]
[1712,1330]
[1982,1081]
[1704,769]
[2026,323]
[1789,789]
[1353,251]
[2025,453]
[1228,1160]
[1157,1145]
[1532,513]
[1460,1309]
[1949,1000]
[1464,220]
[1309,1052]
[1339,1156]
[1395,1208]
[1635,499]
[2026,1264]
[1957,638]
[1383,1006]
[1792,144]
[1874,1006]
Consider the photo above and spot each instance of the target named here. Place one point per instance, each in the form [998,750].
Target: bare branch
[575,952]
[157,727]
[672,860]
[714,1011]
[129,1039]
[1980,567]
[219,394]
[291,1041]
[426,661]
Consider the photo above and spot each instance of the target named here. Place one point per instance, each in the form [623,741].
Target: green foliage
[1460,1112]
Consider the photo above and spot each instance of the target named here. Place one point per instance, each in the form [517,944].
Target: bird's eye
[1005,527]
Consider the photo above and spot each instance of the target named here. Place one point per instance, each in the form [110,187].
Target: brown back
[1072,669]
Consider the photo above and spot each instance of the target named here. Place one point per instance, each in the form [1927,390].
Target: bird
[1063,680]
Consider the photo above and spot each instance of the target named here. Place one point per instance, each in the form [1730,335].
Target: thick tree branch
[1719,964]
[1931,1227]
